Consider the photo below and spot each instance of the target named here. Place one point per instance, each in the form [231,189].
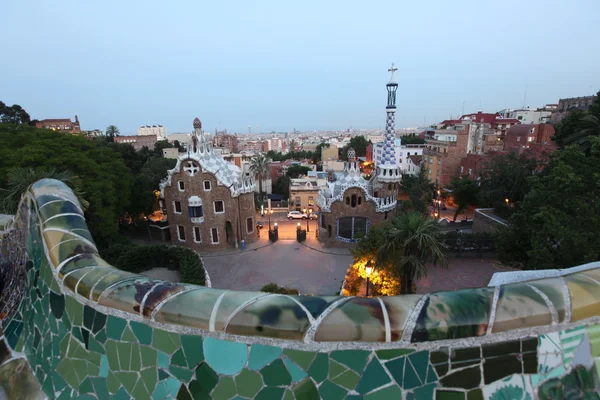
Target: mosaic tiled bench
[75,327]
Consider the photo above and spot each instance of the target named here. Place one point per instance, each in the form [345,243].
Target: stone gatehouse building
[209,202]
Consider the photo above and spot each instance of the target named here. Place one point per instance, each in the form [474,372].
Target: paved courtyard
[316,270]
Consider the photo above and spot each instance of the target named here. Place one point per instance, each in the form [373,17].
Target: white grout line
[146,297]
[386,320]
[63,215]
[308,314]
[493,309]
[72,234]
[551,307]
[213,313]
[567,297]
[246,304]
[162,303]
[309,336]
[411,321]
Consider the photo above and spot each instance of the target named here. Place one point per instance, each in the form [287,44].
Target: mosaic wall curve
[75,327]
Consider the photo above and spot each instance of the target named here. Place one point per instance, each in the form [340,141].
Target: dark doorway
[229,233]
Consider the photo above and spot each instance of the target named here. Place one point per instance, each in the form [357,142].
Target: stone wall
[484,220]
[236,214]
[340,209]
[79,328]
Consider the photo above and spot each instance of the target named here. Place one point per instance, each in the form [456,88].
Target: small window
[177,206]
[311,201]
[196,211]
[197,235]
[207,185]
[323,224]
[250,225]
[214,235]
[181,233]
[359,200]
[518,138]
[181,185]
[219,207]
[353,201]
[298,202]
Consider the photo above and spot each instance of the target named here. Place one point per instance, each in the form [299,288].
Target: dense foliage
[578,127]
[465,192]
[556,223]
[138,259]
[419,190]
[14,114]
[275,288]
[293,155]
[412,139]
[117,181]
[295,171]
[358,143]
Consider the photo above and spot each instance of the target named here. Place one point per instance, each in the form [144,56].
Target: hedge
[137,259]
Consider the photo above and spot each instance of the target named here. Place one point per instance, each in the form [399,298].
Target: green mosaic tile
[425,392]
[390,392]
[295,371]
[121,394]
[101,336]
[74,310]
[206,380]
[149,377]
[411,379]
[162,375]
[148,356]
[86,386]
[57,304]
[100,387]
[373,377]
[354,359]
[396,368]
[270,393]
[329,390]
[124,352]
[302,358]
[348,379]
[67,372]
[248,383]
[113,355]
[128,336]
[115,327]
[319,369]
[184,374]
[225,389]
[288,395]
[275,374]
[306,390]
[103,367]
[261,355]
[142,331]
[184,393]
[135,363]
[335,369]
[163,360]
[179,359]
[431,375]
[127,379]
[392,353]
[449,395]
[140,391]
[420,362]
[192,348]
[225,357]
[164,341]
[476,394]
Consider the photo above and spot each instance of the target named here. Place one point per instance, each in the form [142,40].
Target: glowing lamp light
[369,270]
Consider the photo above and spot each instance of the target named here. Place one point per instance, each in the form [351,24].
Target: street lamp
[368,271]
[435,214]
[269,212]
[506,200]
[298,226]
[275,225]
[307,212]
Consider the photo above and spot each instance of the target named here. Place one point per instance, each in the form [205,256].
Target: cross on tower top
[392,70]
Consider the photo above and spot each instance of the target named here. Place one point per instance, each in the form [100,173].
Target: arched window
[359,200]
[352,228]
[353,201]
[347,200]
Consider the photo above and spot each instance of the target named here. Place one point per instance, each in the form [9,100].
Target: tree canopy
[556,224]
[14,114]
[359,144]
[465,192]
[412,139]
[578,126]
[294,171]
[419,190]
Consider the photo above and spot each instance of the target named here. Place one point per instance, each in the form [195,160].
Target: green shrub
[137,259]
[275,288]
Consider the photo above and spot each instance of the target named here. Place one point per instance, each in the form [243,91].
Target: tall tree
[578,126]
[419,190]
[359,144]
[259,167]
[409,243]
[19,179]
[589,125]
[294,171]
[556,225]
[112,132]
[465,192]
[282,186]
[14,114]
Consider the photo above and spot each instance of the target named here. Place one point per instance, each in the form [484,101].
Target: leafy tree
[294,171]
[106,180]
[160,145]
[359,144]
[282,186]
[259,167]
[419,190]
[409,242]
[19,179]
[292,155]
[568,126]
[556,225]
[275,288]
[112,132]
[578,126]
[465,192]
[412,139]
[14,114]
[505,177]
[589,125]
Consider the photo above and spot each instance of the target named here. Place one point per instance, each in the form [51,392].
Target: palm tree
[410,241]
[589,125]
[259,166]
[111,132]
[19,179]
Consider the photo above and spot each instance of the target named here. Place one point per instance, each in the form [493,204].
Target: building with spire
[208,201]
[349,206]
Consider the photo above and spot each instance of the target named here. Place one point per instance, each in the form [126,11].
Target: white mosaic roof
[200,151]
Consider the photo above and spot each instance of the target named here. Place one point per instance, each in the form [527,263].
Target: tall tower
[388,169]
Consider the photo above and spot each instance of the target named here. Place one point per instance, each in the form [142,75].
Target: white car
[296,215]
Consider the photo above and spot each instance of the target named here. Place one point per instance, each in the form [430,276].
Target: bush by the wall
[275,288]
[137,259]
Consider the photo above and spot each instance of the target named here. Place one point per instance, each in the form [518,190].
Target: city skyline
[283,67]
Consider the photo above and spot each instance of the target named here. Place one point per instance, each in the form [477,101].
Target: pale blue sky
[282,65]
